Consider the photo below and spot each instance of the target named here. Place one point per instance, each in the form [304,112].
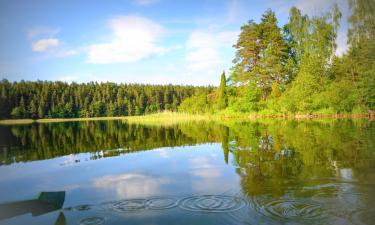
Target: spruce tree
[223,99]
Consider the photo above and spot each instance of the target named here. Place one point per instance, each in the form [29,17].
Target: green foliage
[361,55]
[296,70]
[247,99]
[17,112]
[223,98]
[196,104]
[261,54]
[61,100]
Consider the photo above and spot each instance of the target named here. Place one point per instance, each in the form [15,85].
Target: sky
[133,41]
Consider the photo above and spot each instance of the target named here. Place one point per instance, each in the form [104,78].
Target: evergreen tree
[261,54]
[33,110]
[223,99]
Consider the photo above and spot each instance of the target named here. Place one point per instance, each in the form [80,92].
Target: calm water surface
[234,172]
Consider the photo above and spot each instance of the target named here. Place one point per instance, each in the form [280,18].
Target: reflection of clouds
[70,159]
[346,173]
[163,153]
[207,176]
[202,162]
[206,173]
[130,185]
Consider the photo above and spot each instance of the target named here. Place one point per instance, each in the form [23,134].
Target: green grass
[158,118]
[169,118]
[54,120]
[16,121]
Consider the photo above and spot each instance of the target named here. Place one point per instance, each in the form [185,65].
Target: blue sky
[134,41]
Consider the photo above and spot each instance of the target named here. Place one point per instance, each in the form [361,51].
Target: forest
[294,69]
[44,99]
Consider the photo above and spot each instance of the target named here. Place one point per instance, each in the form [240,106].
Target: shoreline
[182,117]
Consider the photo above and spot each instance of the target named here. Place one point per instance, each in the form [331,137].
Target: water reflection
[245,172]
[132,185]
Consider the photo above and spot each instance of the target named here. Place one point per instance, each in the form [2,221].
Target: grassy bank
[165,117]
[169,118]
[172,118]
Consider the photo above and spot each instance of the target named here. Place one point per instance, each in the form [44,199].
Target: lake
[228,172]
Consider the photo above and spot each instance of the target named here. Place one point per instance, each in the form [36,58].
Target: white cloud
[44,45]
[53,47]
[43,40]
[66,52]
[144,2]
[205,50]
[134,38]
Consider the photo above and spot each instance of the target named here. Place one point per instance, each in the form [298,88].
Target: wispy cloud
[134,38]
[42,31]
[314,7]
[204,50]
[43,40]
[44,45]
[53,47]
[144,2]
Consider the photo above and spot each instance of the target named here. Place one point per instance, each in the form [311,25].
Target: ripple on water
[212,203]
[129,205]
[292,209]
[363,217]
[160,203]
[92,221]
[79,208]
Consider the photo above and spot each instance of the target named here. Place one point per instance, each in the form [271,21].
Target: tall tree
[223,98]
[261,54]
[361,56]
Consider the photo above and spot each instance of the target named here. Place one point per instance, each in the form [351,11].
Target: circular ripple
[129,205]
[79,208]
[92,221]
[212,203]
[292,209]
[362,217]
[159,203]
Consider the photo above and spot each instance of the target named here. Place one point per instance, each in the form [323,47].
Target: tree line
[44,99]
[295,68]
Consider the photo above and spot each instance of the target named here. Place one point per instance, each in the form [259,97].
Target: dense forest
[44,99]
[295,68]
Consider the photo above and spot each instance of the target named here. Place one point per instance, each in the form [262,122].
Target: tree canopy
[295,68]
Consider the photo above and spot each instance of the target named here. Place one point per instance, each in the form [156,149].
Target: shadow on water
[45,203]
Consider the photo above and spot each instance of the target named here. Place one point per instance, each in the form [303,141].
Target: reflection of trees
[44,141]
[263,168]
[263,151]
[271,155]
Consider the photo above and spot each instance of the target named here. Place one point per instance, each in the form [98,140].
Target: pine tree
[33,110]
